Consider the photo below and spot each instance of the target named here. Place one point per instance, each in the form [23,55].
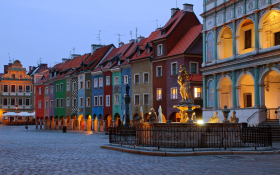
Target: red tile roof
[188,38]
[195,77]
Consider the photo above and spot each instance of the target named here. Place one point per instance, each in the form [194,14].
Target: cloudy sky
[50,29]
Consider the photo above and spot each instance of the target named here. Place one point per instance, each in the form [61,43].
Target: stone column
[219,97]
[204,47]
[79,122]
[98,125]
[233,38]
[104,125]
[204,92]
[86,124]
[215,92]
[65,123]
[72,124]
[256,28]
[54,125]
[92,124]
[215,43]
[234,103]
[45,124]
[204,6]
[41,123]
[256,86]
[114,123]
[262,96]
[59,124]
[238,99]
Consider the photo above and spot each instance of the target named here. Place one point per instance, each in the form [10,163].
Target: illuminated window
[20,76]
[174,93]
[197,93]
[159,94]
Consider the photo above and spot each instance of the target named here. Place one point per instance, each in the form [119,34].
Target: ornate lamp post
[127,101]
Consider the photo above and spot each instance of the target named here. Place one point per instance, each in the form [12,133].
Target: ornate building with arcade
[241,54]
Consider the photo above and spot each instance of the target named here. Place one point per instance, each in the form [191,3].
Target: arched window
[270,29]
[225,43]
[246,37]
[225,93]
[210,93]
[210,48]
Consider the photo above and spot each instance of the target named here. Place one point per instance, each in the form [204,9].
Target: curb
[194,153]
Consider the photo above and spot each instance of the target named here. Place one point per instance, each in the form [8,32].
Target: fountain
[187,105]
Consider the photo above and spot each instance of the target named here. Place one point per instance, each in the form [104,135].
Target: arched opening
[62,121]
[210,47]
[245,91]
[102,123]
[108,119]
[88,117]
[146,117]
[68,124]
[81,123]
[225,93]
[270,29]
[47,123]
[95,124]
[246,37]
[270,90]
[174,117]
[225,43]
[52,122]
[117,118]
[210,94]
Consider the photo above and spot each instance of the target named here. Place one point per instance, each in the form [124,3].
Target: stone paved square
[53,152]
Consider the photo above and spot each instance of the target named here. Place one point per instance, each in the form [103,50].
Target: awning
[21,114]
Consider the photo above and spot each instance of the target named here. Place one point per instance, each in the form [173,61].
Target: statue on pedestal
[215,118]
[233,118]
[153,116]
[185,89]
[139,118]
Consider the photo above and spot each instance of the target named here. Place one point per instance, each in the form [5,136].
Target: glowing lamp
[200,122]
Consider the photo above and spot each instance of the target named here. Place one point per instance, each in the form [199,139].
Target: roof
[185,42]
[170,25]
[195,77]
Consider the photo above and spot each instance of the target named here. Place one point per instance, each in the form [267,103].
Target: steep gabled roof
[185,42]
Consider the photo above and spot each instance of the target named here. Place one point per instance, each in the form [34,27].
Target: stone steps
[275,129]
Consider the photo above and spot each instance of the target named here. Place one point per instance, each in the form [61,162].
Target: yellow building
[16,91]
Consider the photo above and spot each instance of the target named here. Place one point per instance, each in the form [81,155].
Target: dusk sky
[33,29]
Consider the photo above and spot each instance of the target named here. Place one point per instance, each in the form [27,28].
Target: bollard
[26,127]
[64,129]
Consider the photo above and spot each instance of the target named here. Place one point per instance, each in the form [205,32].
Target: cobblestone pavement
[54,152]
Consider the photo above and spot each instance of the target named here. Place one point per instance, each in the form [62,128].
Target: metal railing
[272,114]
[193,136]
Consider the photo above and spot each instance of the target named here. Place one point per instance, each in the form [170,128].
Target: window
[277,38]
[57,103]
[20,88]
[51,104]
[13,88]
[247,100]
[40,91]
[46,90]
[95,101]
[61,87]
[117,99]
[197,92]
[13,76]
[136,79]
[5,88]
[136,99]
[74,102]
[95,83]
[116,80]
[159,49]
[39,105]
[107,100]
[37,79]
[61,102]
[68,101]
[148,50]
[81,77]
[174,93]
[100,100]
[20,102]
[139,53]
[13,101]
[88,84]
[159,94]
[81,101]
[108,80]
[146,99]
[46,104]
[27,101]
[88,101]
[51,89]
[20,76]
[248,39]
[100,82]
[173,68]
[145,77]
[194,68]
[68,86]
[5,101]
[159,71]
[74,86]
[56,88]
[125,79]
[81,85]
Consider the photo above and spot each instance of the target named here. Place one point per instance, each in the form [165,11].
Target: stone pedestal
[225,113]
[189,115]
[72,124]
[92,125]
[98,125]
[104,125]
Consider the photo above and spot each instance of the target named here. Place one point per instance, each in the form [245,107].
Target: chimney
[188,7]
[132,41]
[139,38]
[173,11]
[30,68]
[121,44]
[94,47]
[5,69]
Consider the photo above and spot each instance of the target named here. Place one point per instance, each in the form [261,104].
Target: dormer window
[110,63]
[159,49]
[101,66]
[119,62]
[127,60]
[148,50]
[139,53]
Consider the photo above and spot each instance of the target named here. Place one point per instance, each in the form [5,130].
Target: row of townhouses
[86,92]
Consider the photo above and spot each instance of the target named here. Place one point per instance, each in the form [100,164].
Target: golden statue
[185,89]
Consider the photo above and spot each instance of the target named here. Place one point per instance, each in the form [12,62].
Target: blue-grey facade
[125,72]
[97,109]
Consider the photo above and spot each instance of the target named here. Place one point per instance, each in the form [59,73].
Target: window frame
[88,84]
[172,94]
[21,88]
[46,104]
[21,102]
[138,78]
[68,101]
[68,86]
[145,73]
[61,87]
[159,48]
[95,101]
[190,67]
[57,86]
[116,82]
[11,101]
[61,102]
[7,88]
[172,68]
[51,104]
[88,102]
[51,89]
[40,90]
[144,98]
[14,86]
[125,79]
[39,104]
[160,71]
[201,94]
[108,82]
[95,82]
[46,90]
[28,102]
[100,79]
[6,100]
[107,101]
[116,96]
[135,99]
[100,101]
[81,101]
[74,101]
[29,88]
[157,94]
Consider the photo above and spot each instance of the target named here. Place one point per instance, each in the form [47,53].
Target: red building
[179,43]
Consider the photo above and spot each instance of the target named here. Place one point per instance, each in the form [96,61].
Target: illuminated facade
[241,54]
[16,90]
